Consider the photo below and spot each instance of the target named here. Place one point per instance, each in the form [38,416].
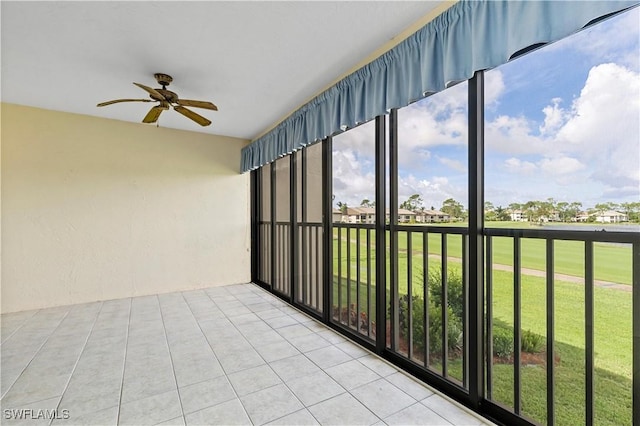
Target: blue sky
[560,122]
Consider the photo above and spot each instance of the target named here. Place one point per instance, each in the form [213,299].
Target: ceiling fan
[167,99]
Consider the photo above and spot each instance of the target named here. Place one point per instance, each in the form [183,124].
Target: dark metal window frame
[477,270]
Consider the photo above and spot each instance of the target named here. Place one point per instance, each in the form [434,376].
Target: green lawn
[613,396]
[613,334]
[611,262]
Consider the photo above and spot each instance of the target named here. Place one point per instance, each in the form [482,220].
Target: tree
[574,209]
[367,203]
[501,214]
[489,211]
[546,209]
[566,211]
[343,207]
[453,208]
[413,203]
[562,208]
[632,210]
[531,210]
[515,206]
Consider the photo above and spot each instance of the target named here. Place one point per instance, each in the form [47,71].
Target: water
[593,227]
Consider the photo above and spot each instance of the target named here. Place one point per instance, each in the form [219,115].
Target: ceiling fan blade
[192,115]
[156,95]
[123,100]
[154,113]
[197,104]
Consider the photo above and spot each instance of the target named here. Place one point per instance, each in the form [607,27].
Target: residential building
[360,215]
[179,273]
[336,215]
[518,215]
[368,215]
[431,216]
[610,216]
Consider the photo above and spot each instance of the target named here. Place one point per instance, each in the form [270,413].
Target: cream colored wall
[97,209]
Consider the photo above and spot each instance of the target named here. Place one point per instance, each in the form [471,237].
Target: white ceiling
[258,61]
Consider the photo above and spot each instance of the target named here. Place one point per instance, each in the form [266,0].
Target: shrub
[502,342]
[454,326]
[531,342]
[454,330]
[455,290]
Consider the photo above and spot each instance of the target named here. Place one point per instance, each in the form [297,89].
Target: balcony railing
[426,303]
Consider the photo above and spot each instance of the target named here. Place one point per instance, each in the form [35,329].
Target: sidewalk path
[543,274]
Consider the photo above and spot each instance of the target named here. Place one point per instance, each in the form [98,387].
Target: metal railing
[353,278]
[407,283]
[310,283]
[427,287]
[551,237]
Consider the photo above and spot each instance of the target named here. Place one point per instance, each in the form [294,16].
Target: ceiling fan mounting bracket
[163,79]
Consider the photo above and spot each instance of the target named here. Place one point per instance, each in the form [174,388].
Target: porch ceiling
[258,61]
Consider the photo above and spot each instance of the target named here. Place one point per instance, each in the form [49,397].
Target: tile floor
[224,355]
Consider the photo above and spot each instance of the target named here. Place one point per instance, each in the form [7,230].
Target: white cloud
[560,165]
[436,121]
[594,141]
[595,41]
[514,136]
[433,191]
[493,87]
[454,164]
[360,139]
[605,123]
[517,166]
[353,178]
[554,117]
[589,146]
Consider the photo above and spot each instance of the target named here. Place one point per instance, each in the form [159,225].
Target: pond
[593,227]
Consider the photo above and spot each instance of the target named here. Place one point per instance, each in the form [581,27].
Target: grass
[613,396]
[611,262]
[612,310]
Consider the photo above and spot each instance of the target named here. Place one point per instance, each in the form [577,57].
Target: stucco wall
[96,209]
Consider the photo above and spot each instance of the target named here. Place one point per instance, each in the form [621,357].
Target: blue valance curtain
[468,37]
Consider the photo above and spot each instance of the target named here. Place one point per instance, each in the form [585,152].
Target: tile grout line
[173,368]
[213,352]
[305,407]
[201,305]
[124,359]
[265,361]
[346,390]
[3,341]
[380,376]
[433,390]
[36,352]
[84,346]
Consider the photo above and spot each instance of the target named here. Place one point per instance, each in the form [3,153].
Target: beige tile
[205,394]
[228,413]
[343,409]
[315,388]
[270,404]
[382,398]
[450,411]
[417,414]
[151,410]
[254,379]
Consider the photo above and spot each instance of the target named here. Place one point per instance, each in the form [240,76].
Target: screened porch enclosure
[526,310]
[331,270]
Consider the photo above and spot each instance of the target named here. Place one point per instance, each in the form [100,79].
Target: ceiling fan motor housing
[163,79]
[167,94]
